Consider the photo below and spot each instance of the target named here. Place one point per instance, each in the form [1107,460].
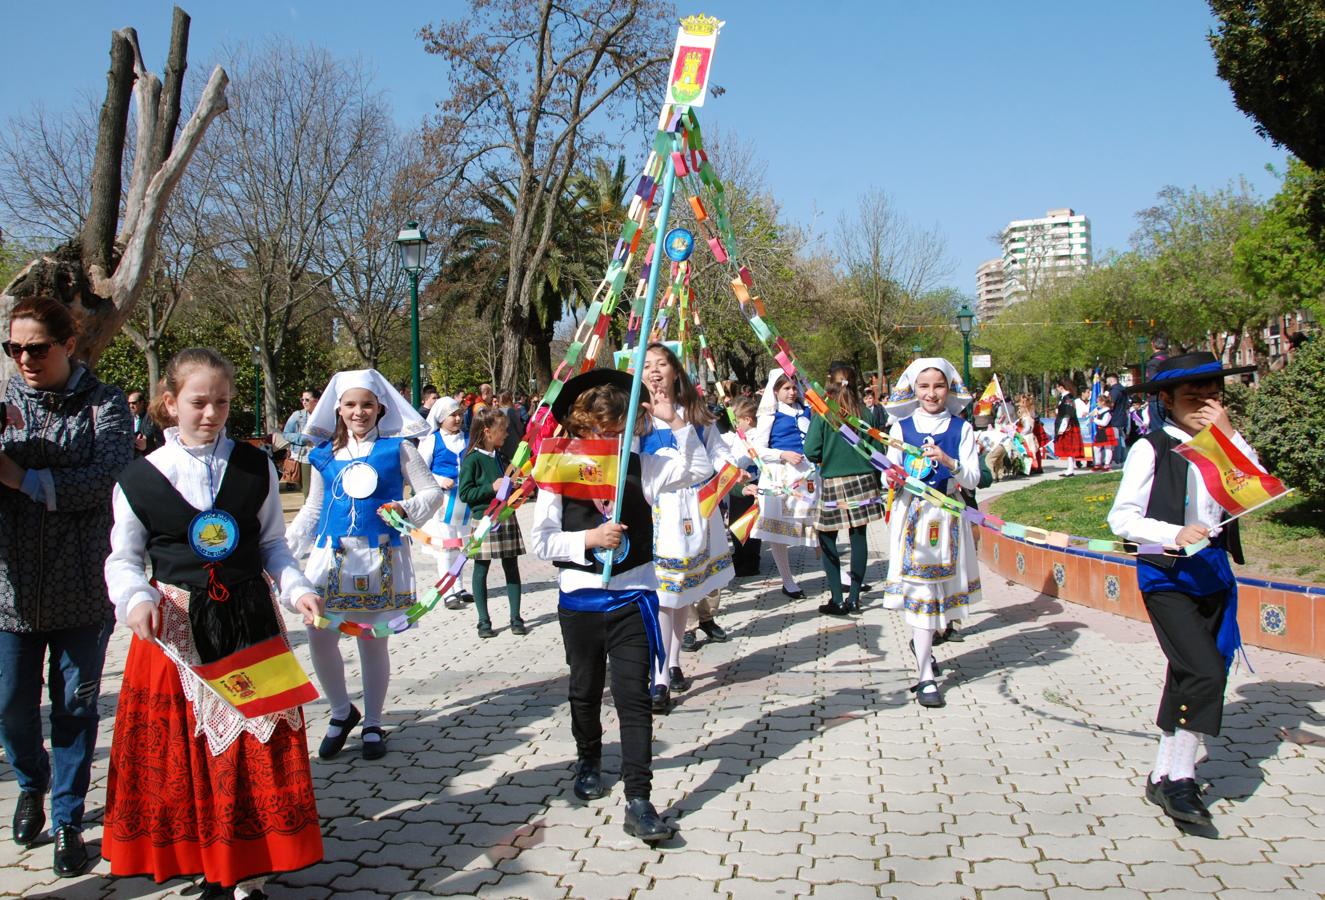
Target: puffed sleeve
[427,496]
[667,472]
[126,566]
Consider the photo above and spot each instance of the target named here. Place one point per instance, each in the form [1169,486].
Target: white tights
[672,624]
[782,557]
[1176,756]
[374,662]
[924,644]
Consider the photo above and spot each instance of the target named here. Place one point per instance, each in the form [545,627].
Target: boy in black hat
[618,622]
[1191,600]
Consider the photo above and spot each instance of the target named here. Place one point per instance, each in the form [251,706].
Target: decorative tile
[1113,590]
[1021,563]
[1274,618]
[996,553]
[1060,574]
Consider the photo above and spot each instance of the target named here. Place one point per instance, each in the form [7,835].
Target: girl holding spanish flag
[619,621]
[195,787]
[1191,600]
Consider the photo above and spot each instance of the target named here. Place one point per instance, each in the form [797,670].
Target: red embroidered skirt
[174,809]
[1068,444]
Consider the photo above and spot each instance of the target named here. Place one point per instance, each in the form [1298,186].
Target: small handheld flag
[1234,481]
[258,680]
[743,525]
[579,468]
[719,486]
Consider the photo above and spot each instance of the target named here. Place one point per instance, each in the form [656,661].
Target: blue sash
[601,600]
[1208,572]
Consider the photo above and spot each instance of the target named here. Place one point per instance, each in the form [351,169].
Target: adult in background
[1159,351]
[300,443]
[514,425]
[427,397]
[66,438]
[1118,421]
[482,401]
[146,433]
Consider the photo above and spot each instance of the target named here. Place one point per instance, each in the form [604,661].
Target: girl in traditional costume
[617,622]
[691,553]
[443,450]
[933,572]
[481,474]
[1068,445]
[358,562]
[788,483]
[194,786]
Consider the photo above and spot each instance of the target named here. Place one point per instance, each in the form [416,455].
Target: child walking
[1191,600]
[933,572]
[1105,435]
[194,787]
[481,473]
[359,563]
[619,622]
[849,497]
[443,450]
[745,557]
[788,482]
[1067,430]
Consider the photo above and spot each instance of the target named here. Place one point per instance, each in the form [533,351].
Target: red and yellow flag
[259,680]
[985,405]
[579,468]
[742,526]
[1234,481]
[719,486]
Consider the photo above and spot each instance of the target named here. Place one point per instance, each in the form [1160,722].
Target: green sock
[480,590]
[832,565]
[859,560]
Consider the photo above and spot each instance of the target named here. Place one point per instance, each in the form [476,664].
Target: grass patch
[1283,540]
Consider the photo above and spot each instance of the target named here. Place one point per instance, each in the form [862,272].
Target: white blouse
[196,472]
[1128,517]
[968,456]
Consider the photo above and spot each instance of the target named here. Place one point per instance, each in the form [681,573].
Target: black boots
[643,822]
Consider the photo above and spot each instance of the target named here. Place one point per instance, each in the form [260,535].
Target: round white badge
[359,480]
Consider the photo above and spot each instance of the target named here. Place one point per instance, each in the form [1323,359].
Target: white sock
[672,624]
[1163,758]
[375,661]
[324,645]
[924,642]
[783,560]
[1186,745]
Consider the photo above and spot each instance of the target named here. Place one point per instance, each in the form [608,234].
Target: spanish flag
[1234,481]
[259,680]
[984,406]
[742,526]
[719,486]
[579,468]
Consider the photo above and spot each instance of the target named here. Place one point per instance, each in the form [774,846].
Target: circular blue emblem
[919,466]
[213,535]
[679,244]
[602,554]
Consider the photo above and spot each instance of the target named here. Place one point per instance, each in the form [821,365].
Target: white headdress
[399,420]
[902,401]
[768,401]
[441,408]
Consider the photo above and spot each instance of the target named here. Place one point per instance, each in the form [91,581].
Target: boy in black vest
[1191,600]
[619,621]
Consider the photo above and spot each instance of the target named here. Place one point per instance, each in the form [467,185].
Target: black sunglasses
[36,351]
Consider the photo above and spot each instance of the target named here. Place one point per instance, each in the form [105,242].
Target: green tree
[1288,418]
[1280,258]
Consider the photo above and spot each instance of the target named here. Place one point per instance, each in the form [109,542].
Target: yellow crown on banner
[700,24]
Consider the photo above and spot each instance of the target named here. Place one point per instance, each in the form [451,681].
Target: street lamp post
[966,322]
[413,245]
[916,350]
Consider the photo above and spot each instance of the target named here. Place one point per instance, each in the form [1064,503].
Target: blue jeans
[74,677]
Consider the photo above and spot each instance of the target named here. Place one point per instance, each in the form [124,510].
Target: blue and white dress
[785,518]
[443,452]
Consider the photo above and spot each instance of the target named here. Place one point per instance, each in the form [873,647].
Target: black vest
[1168,497]
[636,515]
[167,515]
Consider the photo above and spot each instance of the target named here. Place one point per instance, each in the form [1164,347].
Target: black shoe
[29,818]
[715,632]
[1182,801]
[662,699]
[852,607]
[933,663]
[931,699]
[1154,790]
[589,780]
[485,631]
[454,602]
[680,683]
[643,822]
[213,891]
[374,749]
[466,596]
[950,633]
[797,594]
[518,627]
[832,609]
[688,642]
[332,745]
[71,857]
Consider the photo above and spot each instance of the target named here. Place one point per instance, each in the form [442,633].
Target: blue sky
[969,113]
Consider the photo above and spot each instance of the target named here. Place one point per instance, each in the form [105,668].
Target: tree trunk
[168,112]
[104,208]
[269,412]
[878,372]
[152,357]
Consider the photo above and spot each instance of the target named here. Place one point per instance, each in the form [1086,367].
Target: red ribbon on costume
[216,591]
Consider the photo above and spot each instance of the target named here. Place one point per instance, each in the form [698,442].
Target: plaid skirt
[1068,444]
[502,541]
[848,489]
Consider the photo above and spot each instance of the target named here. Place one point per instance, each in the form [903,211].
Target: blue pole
[645,326]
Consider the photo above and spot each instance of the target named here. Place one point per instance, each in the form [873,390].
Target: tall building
[989,285]
[1037,251]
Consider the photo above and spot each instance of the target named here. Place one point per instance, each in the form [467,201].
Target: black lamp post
[965,324]
[413,245]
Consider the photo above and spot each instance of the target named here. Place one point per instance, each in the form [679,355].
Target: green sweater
[477,473]
[832,454]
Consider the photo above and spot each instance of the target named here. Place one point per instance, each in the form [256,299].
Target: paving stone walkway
[797,765]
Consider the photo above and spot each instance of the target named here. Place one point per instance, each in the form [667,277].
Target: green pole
[416,396]
[966,358]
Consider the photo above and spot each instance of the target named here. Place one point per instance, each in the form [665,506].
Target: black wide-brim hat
[592,379]
[1176,370]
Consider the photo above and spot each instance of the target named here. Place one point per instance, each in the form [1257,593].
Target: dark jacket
[52,555]
[477,473]
[150,431]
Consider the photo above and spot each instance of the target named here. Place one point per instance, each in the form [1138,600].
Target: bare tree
[526,78]
[45,167]
[888,264]
[282,160]
[102,272]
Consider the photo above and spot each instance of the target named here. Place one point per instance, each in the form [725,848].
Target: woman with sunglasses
[66,437]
